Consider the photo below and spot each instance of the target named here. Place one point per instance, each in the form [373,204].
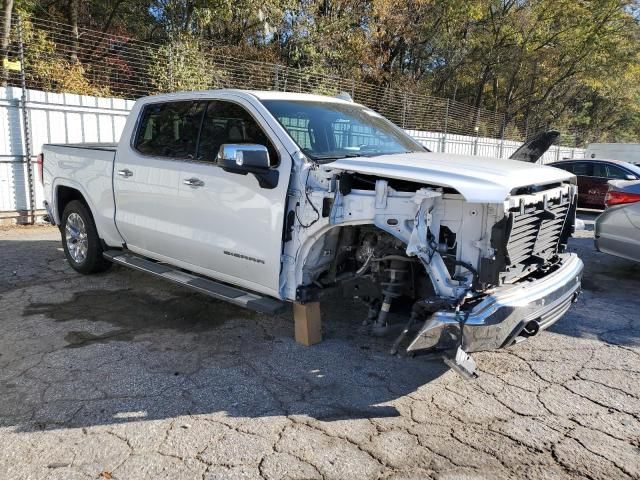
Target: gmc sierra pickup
[262,198]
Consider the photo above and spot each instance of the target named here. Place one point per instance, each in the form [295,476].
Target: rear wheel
[80,239]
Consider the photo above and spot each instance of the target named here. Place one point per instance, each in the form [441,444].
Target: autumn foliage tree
[570,64]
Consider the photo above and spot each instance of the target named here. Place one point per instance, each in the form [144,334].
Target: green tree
[182,65]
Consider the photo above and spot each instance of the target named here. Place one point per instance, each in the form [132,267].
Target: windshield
[327,131]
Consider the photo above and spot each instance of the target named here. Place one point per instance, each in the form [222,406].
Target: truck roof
[259,94]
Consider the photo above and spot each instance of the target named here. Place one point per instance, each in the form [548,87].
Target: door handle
[193,182]
[125,173]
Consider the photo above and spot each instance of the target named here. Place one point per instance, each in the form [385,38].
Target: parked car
[262,198]
[618,228]
[594,175]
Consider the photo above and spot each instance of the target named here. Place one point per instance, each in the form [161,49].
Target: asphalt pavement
[123,376]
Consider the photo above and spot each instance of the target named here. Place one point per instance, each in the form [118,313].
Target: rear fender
[104,220]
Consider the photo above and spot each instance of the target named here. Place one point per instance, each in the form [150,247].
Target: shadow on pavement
[148,350]
[120,347]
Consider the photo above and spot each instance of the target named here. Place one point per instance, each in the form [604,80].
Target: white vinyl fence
[53,118]
[70,118]
[486,147]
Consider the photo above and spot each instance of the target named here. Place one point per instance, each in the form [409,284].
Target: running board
[220,291]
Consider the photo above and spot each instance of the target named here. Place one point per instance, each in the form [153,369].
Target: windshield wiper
[337,157]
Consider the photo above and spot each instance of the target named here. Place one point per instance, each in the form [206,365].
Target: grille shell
[529,236]
[534,234]
[535,231]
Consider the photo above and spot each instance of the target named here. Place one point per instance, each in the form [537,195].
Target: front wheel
[80,239]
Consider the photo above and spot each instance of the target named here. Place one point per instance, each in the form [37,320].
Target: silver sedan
[618,228]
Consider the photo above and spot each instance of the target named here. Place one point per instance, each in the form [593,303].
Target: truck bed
[88,168]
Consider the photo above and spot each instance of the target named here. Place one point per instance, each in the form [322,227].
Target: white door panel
[233,225]
[146,210]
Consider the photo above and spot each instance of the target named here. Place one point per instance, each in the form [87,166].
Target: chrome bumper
[499,319]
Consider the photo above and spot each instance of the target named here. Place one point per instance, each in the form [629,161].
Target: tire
[80,240]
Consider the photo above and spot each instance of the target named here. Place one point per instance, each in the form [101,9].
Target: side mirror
[244,158]
[628,176]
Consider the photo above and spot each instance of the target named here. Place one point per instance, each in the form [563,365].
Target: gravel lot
[123,376]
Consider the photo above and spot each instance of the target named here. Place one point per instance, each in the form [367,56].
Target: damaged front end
[529,282]
[495,273]
[506,315]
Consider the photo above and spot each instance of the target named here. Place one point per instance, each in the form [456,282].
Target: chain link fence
[50,57]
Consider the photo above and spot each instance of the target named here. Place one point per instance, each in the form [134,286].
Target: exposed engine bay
[414,250]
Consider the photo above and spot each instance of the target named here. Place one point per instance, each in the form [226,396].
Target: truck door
[187,211]
[147,174]
[233,226]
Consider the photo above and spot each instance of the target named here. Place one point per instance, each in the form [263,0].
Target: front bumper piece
[499,320]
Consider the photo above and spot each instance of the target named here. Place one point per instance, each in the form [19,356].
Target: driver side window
[227,122]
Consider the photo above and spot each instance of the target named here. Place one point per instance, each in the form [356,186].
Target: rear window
[170,129]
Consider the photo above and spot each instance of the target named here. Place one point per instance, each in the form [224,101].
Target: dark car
[594,175]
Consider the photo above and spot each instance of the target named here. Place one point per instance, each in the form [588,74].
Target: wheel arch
[65,194]
[310,248]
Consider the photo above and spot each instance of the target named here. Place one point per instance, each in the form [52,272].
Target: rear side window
[582,168]
[170,129]
[565,166]
[600,170]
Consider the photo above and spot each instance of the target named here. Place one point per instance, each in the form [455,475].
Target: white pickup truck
[263,198]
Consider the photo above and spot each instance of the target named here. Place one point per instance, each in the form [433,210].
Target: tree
[7,11]
[523,64]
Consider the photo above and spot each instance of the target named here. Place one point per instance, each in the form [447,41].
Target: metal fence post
[503,127]
[25,124]
[476,127]
[170,66]
[404,110]
[443,142]
[276,77]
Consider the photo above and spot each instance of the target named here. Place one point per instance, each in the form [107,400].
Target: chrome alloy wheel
[76,237]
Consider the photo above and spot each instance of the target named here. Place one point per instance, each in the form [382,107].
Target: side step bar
[220,291]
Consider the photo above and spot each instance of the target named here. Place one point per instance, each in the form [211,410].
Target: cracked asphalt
[123,376]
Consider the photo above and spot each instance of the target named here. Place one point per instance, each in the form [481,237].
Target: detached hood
[478,179]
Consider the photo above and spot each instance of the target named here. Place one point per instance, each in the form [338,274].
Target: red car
[594,175]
